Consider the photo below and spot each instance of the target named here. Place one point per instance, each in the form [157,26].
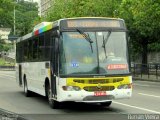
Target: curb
[7,115]
[6,70]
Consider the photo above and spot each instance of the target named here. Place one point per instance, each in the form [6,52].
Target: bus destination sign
[93,23]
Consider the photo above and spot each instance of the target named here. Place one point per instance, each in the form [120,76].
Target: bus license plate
[100,93]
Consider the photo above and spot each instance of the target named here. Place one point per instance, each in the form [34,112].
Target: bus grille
[94,98]
[96,81]
[96,88]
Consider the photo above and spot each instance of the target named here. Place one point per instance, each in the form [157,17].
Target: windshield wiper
[87,37]
[105,41]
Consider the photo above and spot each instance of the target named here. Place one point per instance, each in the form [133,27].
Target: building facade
[32,0]
[45,6]
[4,32]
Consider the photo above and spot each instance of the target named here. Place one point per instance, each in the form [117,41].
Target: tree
[83,8]
[3,46]
[6,6]
[142,18]
[26,14]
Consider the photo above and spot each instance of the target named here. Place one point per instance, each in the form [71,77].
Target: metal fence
[146,71]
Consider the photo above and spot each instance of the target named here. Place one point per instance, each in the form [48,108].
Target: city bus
[81,59]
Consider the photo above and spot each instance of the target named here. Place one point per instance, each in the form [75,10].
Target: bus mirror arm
[56,45]
[56,33]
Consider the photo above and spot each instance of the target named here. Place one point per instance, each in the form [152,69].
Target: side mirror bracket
[56,34]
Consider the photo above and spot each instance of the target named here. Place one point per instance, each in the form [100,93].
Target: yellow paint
[71,82]
[49,73]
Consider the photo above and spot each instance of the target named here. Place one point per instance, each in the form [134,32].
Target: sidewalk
[152,78]
[10,73]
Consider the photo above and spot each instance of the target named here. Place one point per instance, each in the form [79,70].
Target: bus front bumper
[90,97]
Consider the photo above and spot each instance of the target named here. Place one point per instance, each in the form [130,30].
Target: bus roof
[91,18]
[45,26]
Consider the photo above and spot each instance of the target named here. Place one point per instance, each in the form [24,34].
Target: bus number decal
[117,66]
[74,64]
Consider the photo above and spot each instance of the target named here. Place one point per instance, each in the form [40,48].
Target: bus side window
[30,50]
[25,51]
[41,47]
[18,53]
[47,45]
[21,57]
[35,48]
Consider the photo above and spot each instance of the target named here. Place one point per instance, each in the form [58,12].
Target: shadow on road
[76,107]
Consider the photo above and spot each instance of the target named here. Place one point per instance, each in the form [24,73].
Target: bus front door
[54,66]
[20,75]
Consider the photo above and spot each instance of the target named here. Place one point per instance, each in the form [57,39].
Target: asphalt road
[145,101]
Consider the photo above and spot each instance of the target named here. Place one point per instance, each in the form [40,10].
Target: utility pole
[14,17]
[14,23]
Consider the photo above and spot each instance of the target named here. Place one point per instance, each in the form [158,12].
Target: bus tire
[26,91]
[53,103]
[106,104]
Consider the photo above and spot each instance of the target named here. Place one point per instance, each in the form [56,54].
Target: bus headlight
[71,88]
[125,86]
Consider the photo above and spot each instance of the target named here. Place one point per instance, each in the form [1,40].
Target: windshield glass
[107,54]
[112,47]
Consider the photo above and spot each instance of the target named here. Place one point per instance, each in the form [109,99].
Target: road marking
[149,95]
[141,85]
[8,75]
[140,108]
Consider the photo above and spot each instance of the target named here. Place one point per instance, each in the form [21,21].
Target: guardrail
[7,67]
[146,71]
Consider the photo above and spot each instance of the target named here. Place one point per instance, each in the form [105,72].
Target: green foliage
[26,14]
[6,6]
[83,8]
[154,47]
[142,18]
[4,46]
[4,63]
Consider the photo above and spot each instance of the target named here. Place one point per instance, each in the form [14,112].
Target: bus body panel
[35,73]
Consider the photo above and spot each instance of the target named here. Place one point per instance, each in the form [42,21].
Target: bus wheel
[106,104]
[53,104]
[26,91]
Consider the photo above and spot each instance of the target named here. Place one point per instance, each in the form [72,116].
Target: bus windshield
[105,55]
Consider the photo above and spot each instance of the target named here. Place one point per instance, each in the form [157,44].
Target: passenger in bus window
[110,53]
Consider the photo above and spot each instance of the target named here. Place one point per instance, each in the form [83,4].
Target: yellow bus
[76,59]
